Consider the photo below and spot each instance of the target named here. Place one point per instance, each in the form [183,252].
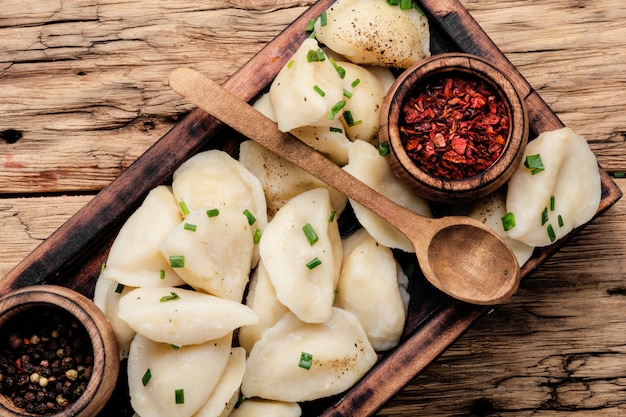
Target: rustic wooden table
[83,93]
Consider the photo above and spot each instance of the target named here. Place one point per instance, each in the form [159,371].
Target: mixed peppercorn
[46,360]
[454,127]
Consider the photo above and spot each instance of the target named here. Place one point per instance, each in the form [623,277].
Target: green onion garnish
[179,396]
[383,148]
[551,233]
[323,19]
[355,82]
[349,118]
[257,236]
[560,220]
[333,213]
[174,347]
[406,4]
[552,203]
[310,26]
[619,174]
[393,2]
[306,360]
[249,216]
[213,212]
[534,163]
[314,263]
[290,63]
[544,216]
[190,227]
[103,267]
[119,288]
[240,401]
[177,261]
[336,109]
[340,70]
[419,9]
[319,91]
[347,94]
[336,129]
[183,208]
[147,376]
[173,296]
[508,221]
[315,56]
[162,274]
[310,234]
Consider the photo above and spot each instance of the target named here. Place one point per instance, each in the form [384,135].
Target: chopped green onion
[347,94]
[306,360]
[419,10]
[179,396]
[508,221]
[619,174]
[310,26]
[172,297]
[174,347]
[393,2]
[534,163]
[103,267]
[240,401]
[336,109]
[190,227]
[355,82]
[257,236]
[314,263]
[119,288]
[319,91]
[333,213]
[290,63]
[213,212]
[177,261]
[310,234]
[162,274]
[315,56]
[336,129]
[552,203]
[183,208]
[383,148]
[323,19]
[406,4]
[551,233]
[340,70]
[147,376]
[560,220]
[347,115]
[249,216]
[544,216]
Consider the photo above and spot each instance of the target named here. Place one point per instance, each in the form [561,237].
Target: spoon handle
[239,115]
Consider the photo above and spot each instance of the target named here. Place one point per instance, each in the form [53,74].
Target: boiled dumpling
[367,165]
[368,287]
[160,374]
[216,251]
[297,361]
[304,273]
[262,300]
[566,194]
[306,89]
[135,257]
[226,393]
[254,407]
[373,32]
[281,179]
[182,317]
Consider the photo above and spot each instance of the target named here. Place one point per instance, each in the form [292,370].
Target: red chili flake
[454,127]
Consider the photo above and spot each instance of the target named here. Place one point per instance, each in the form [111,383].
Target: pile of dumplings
[234,282]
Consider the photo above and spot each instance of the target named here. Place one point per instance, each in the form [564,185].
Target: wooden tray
[73,255]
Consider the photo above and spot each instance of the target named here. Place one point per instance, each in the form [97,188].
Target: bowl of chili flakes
[456,127]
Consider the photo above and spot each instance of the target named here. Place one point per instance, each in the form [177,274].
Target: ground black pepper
[46,360]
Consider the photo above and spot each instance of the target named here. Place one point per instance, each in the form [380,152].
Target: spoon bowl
[459,255]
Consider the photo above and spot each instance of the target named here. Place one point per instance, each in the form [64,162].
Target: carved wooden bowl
[100,385]
[432,182]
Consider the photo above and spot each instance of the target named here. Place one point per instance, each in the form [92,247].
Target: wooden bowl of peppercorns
[456,128]
[58,354]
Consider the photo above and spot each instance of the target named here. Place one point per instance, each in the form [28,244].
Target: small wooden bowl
[454,190]
[105,349]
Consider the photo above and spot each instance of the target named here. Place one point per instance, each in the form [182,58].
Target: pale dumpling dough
[368,287]
[107,296]
[304,92]
[286,251]
[367,165]
[373,32]
[217,252]
[254,407]
[571,176]
[194,369]
[282,180]
[135,257]
[182,317]
[340,351]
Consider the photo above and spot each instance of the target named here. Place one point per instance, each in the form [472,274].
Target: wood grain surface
[83,93]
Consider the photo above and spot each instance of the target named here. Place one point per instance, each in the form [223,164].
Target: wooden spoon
[459,255]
